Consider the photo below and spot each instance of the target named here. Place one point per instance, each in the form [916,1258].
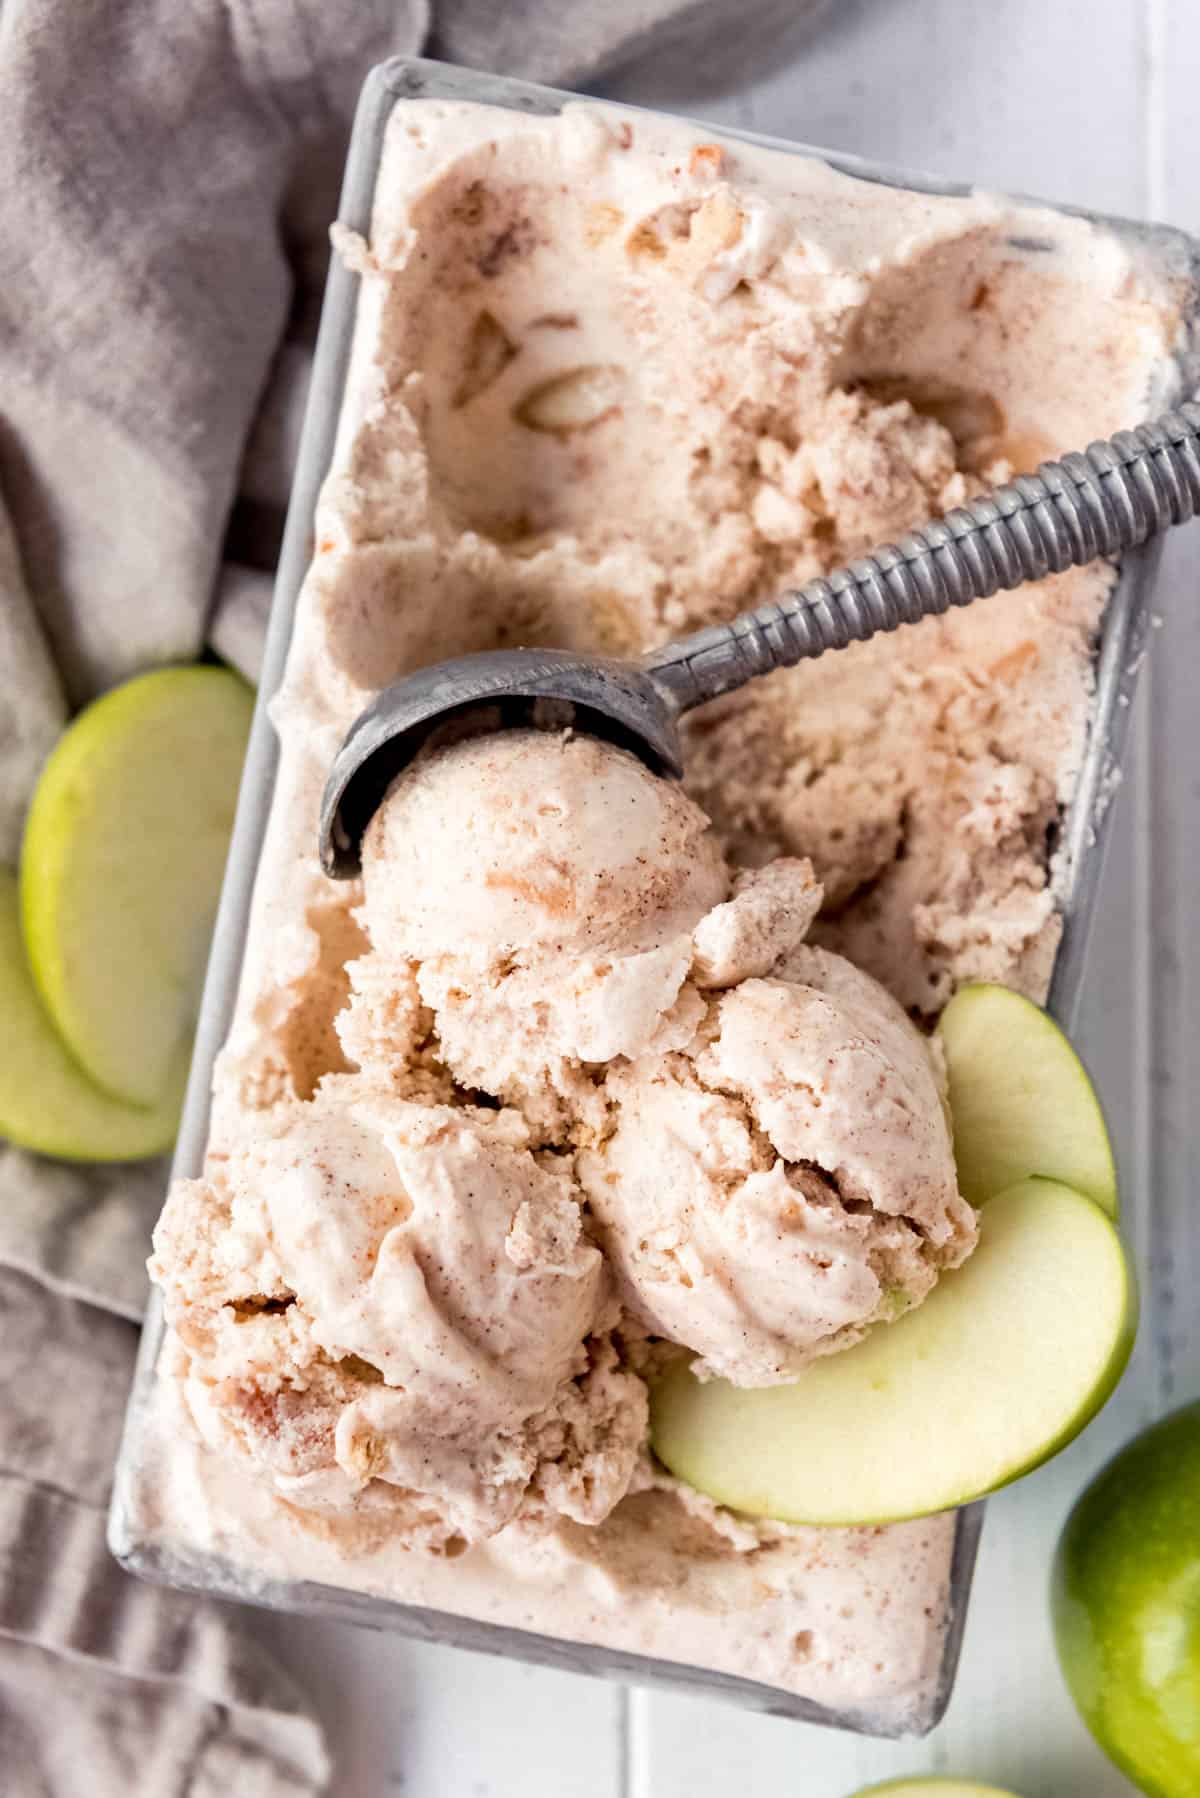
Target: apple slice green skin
[1021,1100]
[47,1103]
[1001,1366]
[935,1786]
[121,869]
[1125,1598]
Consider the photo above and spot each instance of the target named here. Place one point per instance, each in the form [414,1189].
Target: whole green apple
[1126,1603]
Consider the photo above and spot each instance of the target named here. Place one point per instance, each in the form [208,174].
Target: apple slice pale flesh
[47,1102]
[1021,1100]
[121,869]
[935,1786]
[1006,1360]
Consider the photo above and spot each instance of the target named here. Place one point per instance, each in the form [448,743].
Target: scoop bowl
[470,695]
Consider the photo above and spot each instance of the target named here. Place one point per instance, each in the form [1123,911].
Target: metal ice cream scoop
[1108,499]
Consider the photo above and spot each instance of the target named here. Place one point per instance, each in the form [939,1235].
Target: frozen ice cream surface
[534,846]
[783,1180]
[613,379]
[632,385]
[377,1294]
[392,1297]
[540,891]
[768,1159]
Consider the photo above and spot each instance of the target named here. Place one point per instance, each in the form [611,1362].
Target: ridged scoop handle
[1110,498]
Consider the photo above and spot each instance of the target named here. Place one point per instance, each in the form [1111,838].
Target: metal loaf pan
[1080,853]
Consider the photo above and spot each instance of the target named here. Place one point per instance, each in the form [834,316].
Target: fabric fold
[171,1677]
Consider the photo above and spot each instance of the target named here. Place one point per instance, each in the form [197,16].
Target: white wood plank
[1172,868]
[1021,94]
[406,1720]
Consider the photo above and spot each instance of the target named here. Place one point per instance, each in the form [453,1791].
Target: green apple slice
[1021,1100]
[1006,1360]
[121,869]
[47,1103]
[934,1786]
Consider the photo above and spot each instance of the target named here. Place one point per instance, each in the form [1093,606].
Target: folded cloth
[171,169]
[106,1686]
[32,707]
[692,47]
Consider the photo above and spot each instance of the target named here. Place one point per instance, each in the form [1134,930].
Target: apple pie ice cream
[537,895]
[782,1179]
[590,1069]
[757,1131]
[394,1303]
[398,1296]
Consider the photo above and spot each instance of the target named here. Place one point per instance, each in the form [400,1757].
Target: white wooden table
[1083,100]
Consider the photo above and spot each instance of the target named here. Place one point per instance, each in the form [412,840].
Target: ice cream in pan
[588,1069]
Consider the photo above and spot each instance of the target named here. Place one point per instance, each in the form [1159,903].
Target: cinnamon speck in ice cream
[590,1069]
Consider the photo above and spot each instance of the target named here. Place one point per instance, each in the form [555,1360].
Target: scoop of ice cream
[529,843]
[786,1179]
[388,1295]
[543,889]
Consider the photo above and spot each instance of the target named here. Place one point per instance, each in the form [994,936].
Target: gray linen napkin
[170,171]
